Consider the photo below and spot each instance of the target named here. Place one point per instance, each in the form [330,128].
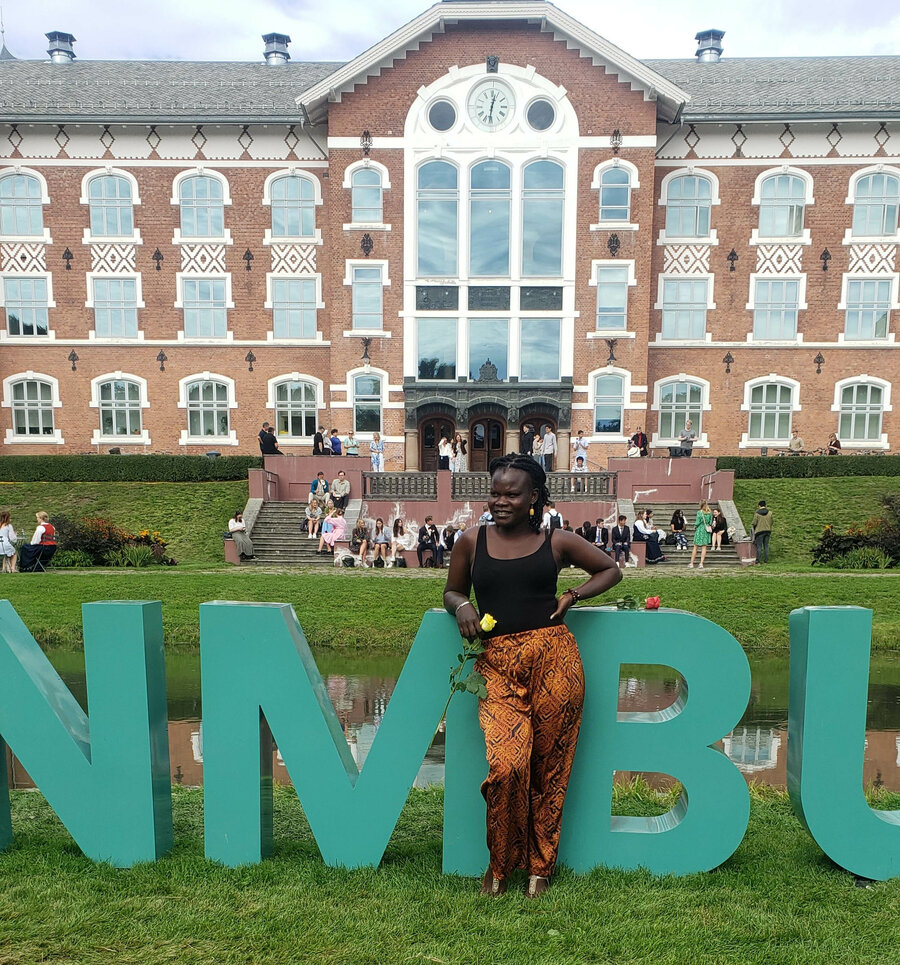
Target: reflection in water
[360,690]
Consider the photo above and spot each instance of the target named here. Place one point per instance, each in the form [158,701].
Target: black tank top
[520,594]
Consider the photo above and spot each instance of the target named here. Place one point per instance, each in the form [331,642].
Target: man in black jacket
[621,540]
[319,443]
[586,531]
[527,444]
[429,540]
[262,436]
[640,440]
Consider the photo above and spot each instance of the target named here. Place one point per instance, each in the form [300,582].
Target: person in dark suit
[262,435]
[269,445]
[601,535]
[430,540]
[586,531]
[527,444]
[319,443]
[640,440]
[621,540]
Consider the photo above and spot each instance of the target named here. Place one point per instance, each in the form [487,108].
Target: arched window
[688,200]
[542,219]
[679,401]
[32,408]
[875,205]
[781,206]
[295,409]
[861,411]
[609,404]
[112,211]
[366,196]
[615,194]
[771,408]
[21,205]
[367,403]
[437,217]
[489,202]
[293,207]
[202,207]
[120,408]
[207,405]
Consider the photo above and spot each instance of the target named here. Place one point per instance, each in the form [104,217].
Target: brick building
[493,217]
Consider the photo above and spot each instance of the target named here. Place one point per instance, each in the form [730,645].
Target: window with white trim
[202,206]
[539,349]
[208,410]
[612,298]
[781,206]
[367,403]
[679,402]
[294,307]
[21,206]
[685,301]
[776,304]
[876,200]
[32,408]
[367,292]
[862,408]
[111,206]
[115,307]
[615,194]
[120,408]
[489,209]
[543,200]
[293,207]
[26,306]
[296,413]
[205,313]
[868,308]
[366,196]
[437,219]
[688,201]
[771,410]
[609,404]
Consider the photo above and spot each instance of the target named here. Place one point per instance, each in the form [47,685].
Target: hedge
[807,467]
[91,468]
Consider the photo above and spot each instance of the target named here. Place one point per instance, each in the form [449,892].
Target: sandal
[492,887]
[537,885]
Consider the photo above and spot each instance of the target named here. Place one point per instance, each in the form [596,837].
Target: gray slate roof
[155,91]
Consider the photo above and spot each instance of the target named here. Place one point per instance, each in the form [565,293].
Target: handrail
[271,479]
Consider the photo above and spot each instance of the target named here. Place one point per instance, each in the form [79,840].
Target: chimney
[61,47]
[276,51]
[709,46]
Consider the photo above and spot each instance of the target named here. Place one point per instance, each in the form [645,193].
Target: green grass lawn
[777,901]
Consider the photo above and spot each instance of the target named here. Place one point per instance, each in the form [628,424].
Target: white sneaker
[700,567]
[690,566]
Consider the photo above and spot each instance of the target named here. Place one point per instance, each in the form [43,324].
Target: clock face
[491,105]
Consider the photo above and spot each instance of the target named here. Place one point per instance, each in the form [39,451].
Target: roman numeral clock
[491,105]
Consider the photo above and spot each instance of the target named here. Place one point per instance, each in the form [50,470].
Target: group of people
[327,444]
[32,555]
[453,454]
[543,447]
[796,446]
[710,531]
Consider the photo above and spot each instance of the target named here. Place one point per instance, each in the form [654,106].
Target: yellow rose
[487,623]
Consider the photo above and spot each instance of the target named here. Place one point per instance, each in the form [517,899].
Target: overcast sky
[231,29]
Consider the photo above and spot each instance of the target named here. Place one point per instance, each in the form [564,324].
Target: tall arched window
[112,212]
[120,408]
[688,200]
[207,405]
[771,408]
[679,401]
[861,411]
[609,404]
[615,194]
[202,207]
[32,408]
[437,217]
[875,204]
[367,403]
[489,202]
[781,206]
[542,219]
[293,207]
[295,409]
[21,206]
[366,196]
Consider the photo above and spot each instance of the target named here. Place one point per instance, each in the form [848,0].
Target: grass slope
[777,901]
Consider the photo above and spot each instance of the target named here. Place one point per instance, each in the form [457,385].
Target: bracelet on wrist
[464,603]
[576,596]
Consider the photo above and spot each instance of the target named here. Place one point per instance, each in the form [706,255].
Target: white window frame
[269,305]
[293,172]
[804,237]
[134,276]
[351,396]
[748,443]
[346,388]
[849,237]
[702,440]
[629,224]
[894,307]
[44,236]
[349,171]
[180,278]
[272,402]
[709,278]
[26,339]
[631,282]
[178,238]
[97,438]
[628,404]
[210,442]
[88,238]
[801,306]
[712,238]
[56,437]
[886,407]
[349,265]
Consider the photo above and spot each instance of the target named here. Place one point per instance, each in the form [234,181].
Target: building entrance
[430,432]
[486,438]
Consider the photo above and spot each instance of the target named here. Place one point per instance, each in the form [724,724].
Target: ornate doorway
[430,432]
[486,438]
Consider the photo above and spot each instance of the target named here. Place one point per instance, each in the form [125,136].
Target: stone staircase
[719,559]
[277,540]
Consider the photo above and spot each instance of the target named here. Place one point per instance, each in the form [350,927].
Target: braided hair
[535,473]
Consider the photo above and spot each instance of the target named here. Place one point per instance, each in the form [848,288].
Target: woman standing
[702,533]
[8,541]
[531,665]
[834,445]
[460,447]
[376,448]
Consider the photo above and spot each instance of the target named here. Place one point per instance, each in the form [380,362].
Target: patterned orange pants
[530,720]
